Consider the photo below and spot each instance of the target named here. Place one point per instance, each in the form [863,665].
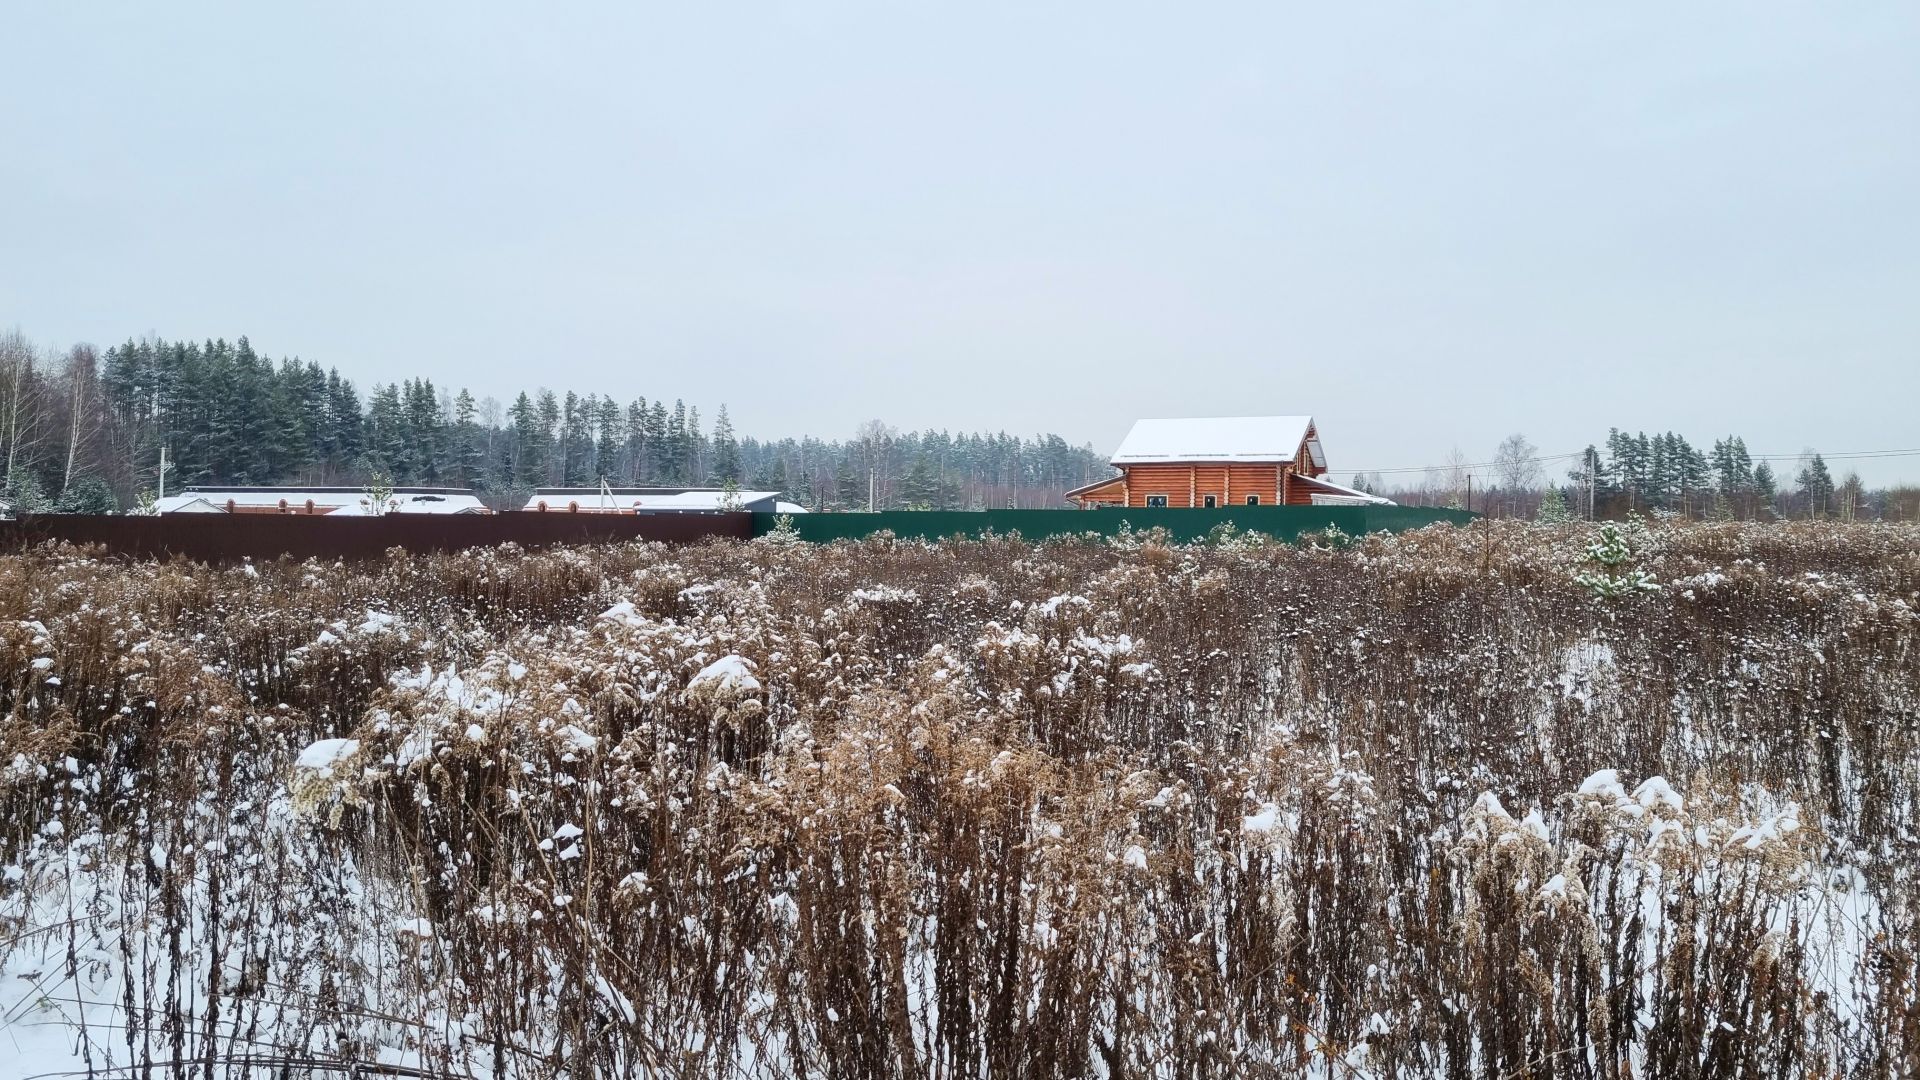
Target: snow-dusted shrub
[1409,806]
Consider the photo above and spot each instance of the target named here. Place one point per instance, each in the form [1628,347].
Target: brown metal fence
[218,538]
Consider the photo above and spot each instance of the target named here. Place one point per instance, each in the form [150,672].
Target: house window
[1253,500]
[1210,501]
[1156,500]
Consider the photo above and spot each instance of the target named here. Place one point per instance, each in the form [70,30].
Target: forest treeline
[81,431]
[84,431]
[1662,473]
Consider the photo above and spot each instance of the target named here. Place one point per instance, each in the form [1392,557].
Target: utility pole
[164,466]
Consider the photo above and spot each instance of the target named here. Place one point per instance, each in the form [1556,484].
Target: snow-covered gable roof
[1342,491]
[332,502]
[1259,439]
[643,500]
[186,504]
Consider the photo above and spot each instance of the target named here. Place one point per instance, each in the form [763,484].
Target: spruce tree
[696,459]
[1765,491]
[1553,507]
[470,447]
[547,409]
[610,437]
[636,455]
[87,495]
[679,447]
[576,442]
[726,450]
[388,449]
[1816,483]
[526,443]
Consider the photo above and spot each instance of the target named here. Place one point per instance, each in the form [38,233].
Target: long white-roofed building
[656,500]
[322,501]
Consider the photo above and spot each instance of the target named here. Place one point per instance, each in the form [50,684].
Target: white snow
[1263,821]
[577,738]
[732,671]
[328,502]
[323,754]
[1654,792]
[1220,438]
[649,500]
[1605,782]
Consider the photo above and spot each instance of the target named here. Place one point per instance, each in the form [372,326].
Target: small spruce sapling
[1553,508]
[1613,575]
[379,493]
[784,531]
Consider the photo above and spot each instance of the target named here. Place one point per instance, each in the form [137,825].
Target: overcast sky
[1427,225]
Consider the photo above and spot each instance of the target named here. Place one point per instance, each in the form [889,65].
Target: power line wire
[1848,455]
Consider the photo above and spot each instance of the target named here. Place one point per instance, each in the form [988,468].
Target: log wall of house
[1188,484]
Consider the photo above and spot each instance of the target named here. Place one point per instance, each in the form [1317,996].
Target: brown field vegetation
[1402,806]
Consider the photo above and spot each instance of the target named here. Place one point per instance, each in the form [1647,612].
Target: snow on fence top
[1220,438]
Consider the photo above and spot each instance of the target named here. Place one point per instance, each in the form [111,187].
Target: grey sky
[1427,225]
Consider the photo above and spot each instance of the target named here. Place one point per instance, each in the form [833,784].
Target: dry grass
[985,809]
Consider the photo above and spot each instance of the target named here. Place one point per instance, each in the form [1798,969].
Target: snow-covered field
[1410,806]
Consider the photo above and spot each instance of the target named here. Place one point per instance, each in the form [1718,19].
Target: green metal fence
[1280,522]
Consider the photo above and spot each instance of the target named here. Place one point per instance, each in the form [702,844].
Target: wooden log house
[1220,461]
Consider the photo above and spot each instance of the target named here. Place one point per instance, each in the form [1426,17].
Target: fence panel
[231,538]
[1281,522]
